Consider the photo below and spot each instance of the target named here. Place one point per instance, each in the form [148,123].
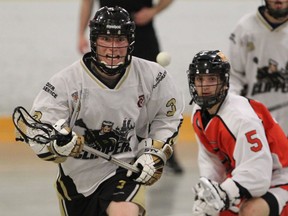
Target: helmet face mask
[209,90]
[272,10]
[208,78]
[112,39]
[111,50]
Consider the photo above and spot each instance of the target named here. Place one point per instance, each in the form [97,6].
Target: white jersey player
[124,106]
[242,150]
[258,52]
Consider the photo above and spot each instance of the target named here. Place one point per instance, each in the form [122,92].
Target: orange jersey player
[242,150]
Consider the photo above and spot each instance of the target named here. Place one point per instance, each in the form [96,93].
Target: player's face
[278,4]
[207,85]
[278,10]
[112,50]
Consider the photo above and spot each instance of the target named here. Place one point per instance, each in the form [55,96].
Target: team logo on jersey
[159,78]
[141,101]
[232,38]
[107,139]
[49,88]
[75,96]
[271,78]
[248,42]
[250,46]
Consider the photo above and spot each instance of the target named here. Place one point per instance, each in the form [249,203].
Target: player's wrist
[45,153]
[156,148]
[151,159]
[232,191]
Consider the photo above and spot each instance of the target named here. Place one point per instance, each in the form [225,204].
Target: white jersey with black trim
[258,54]
[144,103]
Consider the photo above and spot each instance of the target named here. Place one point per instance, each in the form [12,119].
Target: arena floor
[27,184]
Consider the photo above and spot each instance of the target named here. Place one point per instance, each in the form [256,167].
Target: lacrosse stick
[112,159]
[210,195]
[30,129]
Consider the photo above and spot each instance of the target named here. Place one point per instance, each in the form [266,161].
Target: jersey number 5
[257,145]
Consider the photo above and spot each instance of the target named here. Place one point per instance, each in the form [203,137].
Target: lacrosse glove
[212,198]
[151,161]
[67,142]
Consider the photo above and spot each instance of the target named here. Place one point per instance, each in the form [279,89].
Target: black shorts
[117,188]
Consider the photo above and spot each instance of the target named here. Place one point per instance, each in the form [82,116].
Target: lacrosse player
[123,106]
[242,156]
[258,53]
[146,41]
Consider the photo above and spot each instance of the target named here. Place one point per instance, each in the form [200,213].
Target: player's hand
[83,44]
[151,168]
[153,156]
[200,207]
[144,16]
[211,197]
[67,142]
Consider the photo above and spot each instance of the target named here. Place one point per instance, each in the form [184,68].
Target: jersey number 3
[172,104]
[257,145]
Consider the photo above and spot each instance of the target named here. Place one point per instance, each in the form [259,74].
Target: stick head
[30,129]
[211,195]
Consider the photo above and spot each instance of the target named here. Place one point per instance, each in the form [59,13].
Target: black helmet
[276,13]
[112,21]
[207,62]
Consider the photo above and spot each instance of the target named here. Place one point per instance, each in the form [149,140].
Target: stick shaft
[278,106]
[112,159]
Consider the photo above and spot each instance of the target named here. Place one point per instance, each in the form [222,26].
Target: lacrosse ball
[163,58]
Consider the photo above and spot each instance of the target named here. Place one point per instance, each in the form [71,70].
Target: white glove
[64,145]
[200,207]
[213,198]
[147,163]
[150,162]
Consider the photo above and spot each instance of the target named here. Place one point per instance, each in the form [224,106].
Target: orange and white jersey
[242,141]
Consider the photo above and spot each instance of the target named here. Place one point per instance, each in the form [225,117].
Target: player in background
[258,53]
[242,151]
[124,106]
[147,44]
[142,12]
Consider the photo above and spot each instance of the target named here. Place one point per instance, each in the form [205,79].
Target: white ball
[163,58]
